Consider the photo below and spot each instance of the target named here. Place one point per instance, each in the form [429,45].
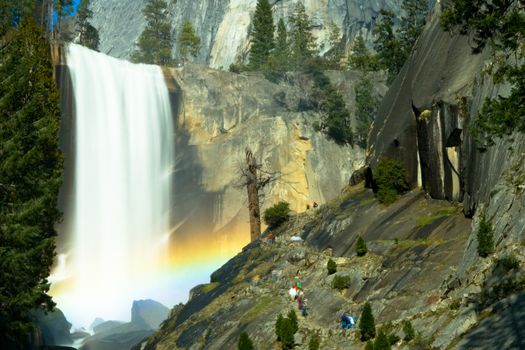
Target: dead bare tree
[255,178]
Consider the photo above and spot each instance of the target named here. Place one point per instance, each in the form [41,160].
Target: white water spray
[122,185]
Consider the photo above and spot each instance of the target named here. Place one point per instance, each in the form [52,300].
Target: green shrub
[331,266]
[360,247]
[455,305]
[485,238]
[382,343]
[279,326]
[393,339]
[314,343]
[367,325]
[277,214]
[391,180]
[292,316]
[509,262]
[341,282]
[408,330]
[245,343]
[369,345]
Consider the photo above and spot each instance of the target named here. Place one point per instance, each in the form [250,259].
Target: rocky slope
[223,25]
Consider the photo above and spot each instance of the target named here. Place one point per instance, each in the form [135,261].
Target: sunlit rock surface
[223,25]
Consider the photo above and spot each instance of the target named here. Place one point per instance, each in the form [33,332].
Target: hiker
[305,311]
[347,322]
[270,238]
[293,293]
[316,205]
[300,302]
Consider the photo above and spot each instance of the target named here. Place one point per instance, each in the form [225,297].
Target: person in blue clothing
[347,322]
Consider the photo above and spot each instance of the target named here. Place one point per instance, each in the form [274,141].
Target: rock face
[223,25]
[148,312]
[219,115]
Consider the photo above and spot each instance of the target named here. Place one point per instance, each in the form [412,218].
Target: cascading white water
[124,145]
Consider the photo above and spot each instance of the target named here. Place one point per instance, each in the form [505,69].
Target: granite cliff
[223,25]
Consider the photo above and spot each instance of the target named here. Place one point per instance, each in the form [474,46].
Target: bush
[408,330]
[292,316]
[367,325]
[509,262]
[369,345]
[391,180]
[285,329]
[276,215]
[314,343]
[341,282]
[392,339]
[360,247]
[485,238]
[245,343]
[382,343]
[331,266]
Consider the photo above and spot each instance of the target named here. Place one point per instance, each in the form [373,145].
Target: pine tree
[280,56]
[485,238]
[189,42]
[155,42]
[245,343]
[367,325]
[88,35]
[302,42]
[408,329]
[292,316]
[279,326]
[366,104]
[336,52]
[389,50]
[30,178]
[382,343]
[360,246]
[331,266]
[361,58]
[412,23]
[262,41]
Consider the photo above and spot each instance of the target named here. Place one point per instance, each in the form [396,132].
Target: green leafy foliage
[88,35]
[382,343]
[331,266]
[367,326]
[485,238]
[155,43]
[279,326]
[261,36]
[412,23]
[277,214]
[366,105]
[369,345]
[341,282]
[393,339]
[389,51]
[245,343]
[292,316]
[30,178]
[509,262]
[337,46]
[408,330]
[360,246]
[501,24]
[189,43]
[391,180]
[314,343]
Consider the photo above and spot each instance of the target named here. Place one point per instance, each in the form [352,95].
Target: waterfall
[120,207]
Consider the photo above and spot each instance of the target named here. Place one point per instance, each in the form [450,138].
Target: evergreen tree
[485,238]
[302,42]
[262,42]
[30,178]
[336,52]
[155,42]
[245,343]
[367,325]
[366,104]
[360,247]
[331,266]
[292,316]
[279,326]
[88,35]
[189,42]
[279,59]
[389,50]
[369,345]
[412,23]
[408,330]
[287,334]
[501,24]
[314,343]
[382,343]
[361,58]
